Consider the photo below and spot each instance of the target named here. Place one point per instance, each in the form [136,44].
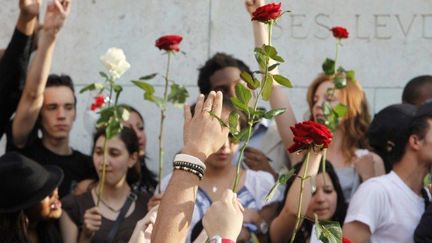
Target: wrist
[191,150]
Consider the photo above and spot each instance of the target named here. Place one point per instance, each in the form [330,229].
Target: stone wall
[390,42]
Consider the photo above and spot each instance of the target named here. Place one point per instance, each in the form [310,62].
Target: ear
[133,158]
[415,142]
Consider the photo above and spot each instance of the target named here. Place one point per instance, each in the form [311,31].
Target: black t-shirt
[76,167]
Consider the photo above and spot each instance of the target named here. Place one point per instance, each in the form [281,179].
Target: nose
[61,113]
[319,195]
[226,146]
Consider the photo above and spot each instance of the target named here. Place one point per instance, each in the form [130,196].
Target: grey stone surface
[390,43]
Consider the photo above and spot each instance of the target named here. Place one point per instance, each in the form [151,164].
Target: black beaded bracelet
[189,167]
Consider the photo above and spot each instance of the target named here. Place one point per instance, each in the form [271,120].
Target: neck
[119,191]
[219,172]
[411,171]
[58,146]
[336,143]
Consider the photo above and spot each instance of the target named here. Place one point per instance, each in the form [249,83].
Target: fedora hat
[24,182]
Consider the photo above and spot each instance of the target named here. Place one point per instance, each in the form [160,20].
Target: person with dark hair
[323,196]
[418,90]
[29,201]
[384,133]
[49,104]
[86,221]
[388,208]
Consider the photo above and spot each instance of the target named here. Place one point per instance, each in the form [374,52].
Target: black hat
[24,182]
[390,125]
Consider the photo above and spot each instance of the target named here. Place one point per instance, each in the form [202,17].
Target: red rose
[345,240]
[339,32]
[309,133]
[267,12]
[169,42]
[99,101]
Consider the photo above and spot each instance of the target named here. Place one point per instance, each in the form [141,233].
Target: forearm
[176,208]
[32,98]
[26,24]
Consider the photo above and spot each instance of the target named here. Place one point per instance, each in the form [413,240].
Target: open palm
[56,14]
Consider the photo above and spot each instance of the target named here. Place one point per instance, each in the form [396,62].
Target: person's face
[321,95]
[324,199]
[47,209]
[138,126]
[225,80]
[224,155]
[58,112]
[118,160]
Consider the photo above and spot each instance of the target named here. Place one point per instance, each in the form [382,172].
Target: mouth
[61,127]
[222,156]
[56,205]
[321,211]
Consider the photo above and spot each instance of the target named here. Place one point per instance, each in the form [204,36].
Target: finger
[187,113]
[217,104]
[208,103]
[59,6]
[239,206]
[228,195]
[199,104]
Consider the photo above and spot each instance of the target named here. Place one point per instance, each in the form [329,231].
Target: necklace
[109,207]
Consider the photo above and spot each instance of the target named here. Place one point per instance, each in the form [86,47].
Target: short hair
[412,92]
[55,80]
[217,62]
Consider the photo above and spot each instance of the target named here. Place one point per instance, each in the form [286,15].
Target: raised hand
[202,133]
[365,166]
[29,8]
[257,160]
[252,5]
[56,14]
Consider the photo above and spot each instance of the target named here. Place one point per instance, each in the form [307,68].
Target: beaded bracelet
[190,159]
[198,170]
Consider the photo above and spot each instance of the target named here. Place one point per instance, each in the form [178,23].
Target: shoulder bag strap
[113,232]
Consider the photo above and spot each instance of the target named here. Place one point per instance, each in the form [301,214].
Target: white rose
[115,61]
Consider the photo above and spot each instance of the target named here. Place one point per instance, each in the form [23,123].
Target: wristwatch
[263,227]
[218,239]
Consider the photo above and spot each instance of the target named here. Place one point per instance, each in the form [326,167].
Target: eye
[51,107]
[328,190]
[69,107]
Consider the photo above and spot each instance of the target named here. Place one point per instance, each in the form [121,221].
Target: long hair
[129,138]
[13,227]
[148,179]
[356,122]
[305,229]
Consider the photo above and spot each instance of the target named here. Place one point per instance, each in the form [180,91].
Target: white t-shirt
[389,207]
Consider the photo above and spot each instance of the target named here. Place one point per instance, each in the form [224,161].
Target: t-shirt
[256,186]
[389,207]
[76,167]
[75,207]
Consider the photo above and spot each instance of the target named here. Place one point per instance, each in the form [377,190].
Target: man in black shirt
[49,104]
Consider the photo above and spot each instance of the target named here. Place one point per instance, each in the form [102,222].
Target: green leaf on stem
[221,122]
[272,53]
[282,80]
[91,87]
[233,120]
[104,75]
[350,75]
[267,87]
[252,83]
[117,88]
[105,115]
[258,113]
[282,180]
[341,110]
[328,231]
[148,88]
[178,94]
[243,93]
[328,66]
[340,81]
[274,112]
[113,128]
[261,58]
[237,103]
[272,67]
[147,77]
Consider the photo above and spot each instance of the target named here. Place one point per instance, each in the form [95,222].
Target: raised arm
[202,135]
[32,97]
[278,98]
[283,225]
[15,58]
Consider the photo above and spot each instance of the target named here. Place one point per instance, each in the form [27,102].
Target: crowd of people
[372,184]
